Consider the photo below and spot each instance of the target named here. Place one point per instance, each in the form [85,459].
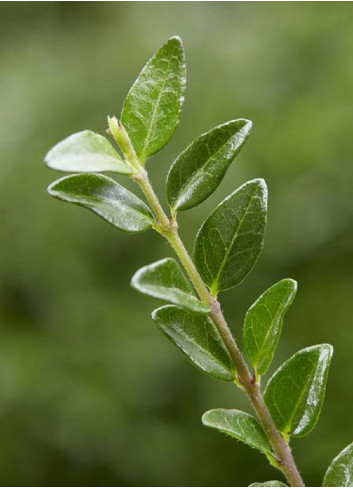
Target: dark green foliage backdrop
[90,392]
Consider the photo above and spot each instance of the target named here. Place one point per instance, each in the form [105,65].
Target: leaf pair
[186,323]
[150,114]
[294,396]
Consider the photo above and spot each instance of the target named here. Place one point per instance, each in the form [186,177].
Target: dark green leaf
[295,393]
[268,484]
[239,425]
[263,323]
[106,198]
[85,151]
[198,171]
[165,280]
[197,337]
[230,241]
[152,107]
[340,471]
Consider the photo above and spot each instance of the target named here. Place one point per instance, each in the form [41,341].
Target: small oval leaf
[152,107]
[268,484]
[165,280]
[230,241]
[296,391]
[86,151]
[198,339]
[263,323]
[340,471]
[104,197]
[239,425]
[198,170]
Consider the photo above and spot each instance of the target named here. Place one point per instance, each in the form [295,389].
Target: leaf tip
[156,312]
[52,188]
[176,39]
[205,416]
[291,283]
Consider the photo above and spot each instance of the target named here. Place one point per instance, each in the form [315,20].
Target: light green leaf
[295,393]
[165,280]
[340,471]
[268,484]
[239,425]
[198,171]
[230,241]
[263,323]
[106,198]
[152,108]
[86,151]
[198,339]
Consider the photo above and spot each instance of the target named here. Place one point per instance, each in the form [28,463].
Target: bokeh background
[90,392]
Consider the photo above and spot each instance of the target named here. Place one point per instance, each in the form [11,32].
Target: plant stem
[280,447]
[169,229]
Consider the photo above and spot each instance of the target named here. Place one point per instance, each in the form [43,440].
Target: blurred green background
[90,392]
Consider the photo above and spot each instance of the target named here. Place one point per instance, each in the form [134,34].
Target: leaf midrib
[198,171]
[214,285]
[149,130]
[287,428]
[201,349]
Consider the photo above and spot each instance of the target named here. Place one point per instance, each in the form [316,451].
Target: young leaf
[106,198]
[295,393]
[86,151]
[263,323]
[230,241]
[165,280]
[152,108]
[197,337]
[340,471]
[268,484]
[239,425]
[198,170]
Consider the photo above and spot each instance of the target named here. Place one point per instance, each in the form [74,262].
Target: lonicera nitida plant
[226,249]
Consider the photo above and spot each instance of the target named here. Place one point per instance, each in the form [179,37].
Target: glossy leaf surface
[230,241]
[104,197]
[198,171]
[197,337]
[152,107]
[268,484]
[165,280]
[86,151]
[239,425]
[295,393]
[263,323]
[340,471]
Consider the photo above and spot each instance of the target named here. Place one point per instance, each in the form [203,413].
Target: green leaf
[263,323]
[239,425]
[106,198]
[85,151]
[165,280]
[198,171]
[152,108]
[268,484]
[295,393]
[230,241]
[198,339]
[340,471]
